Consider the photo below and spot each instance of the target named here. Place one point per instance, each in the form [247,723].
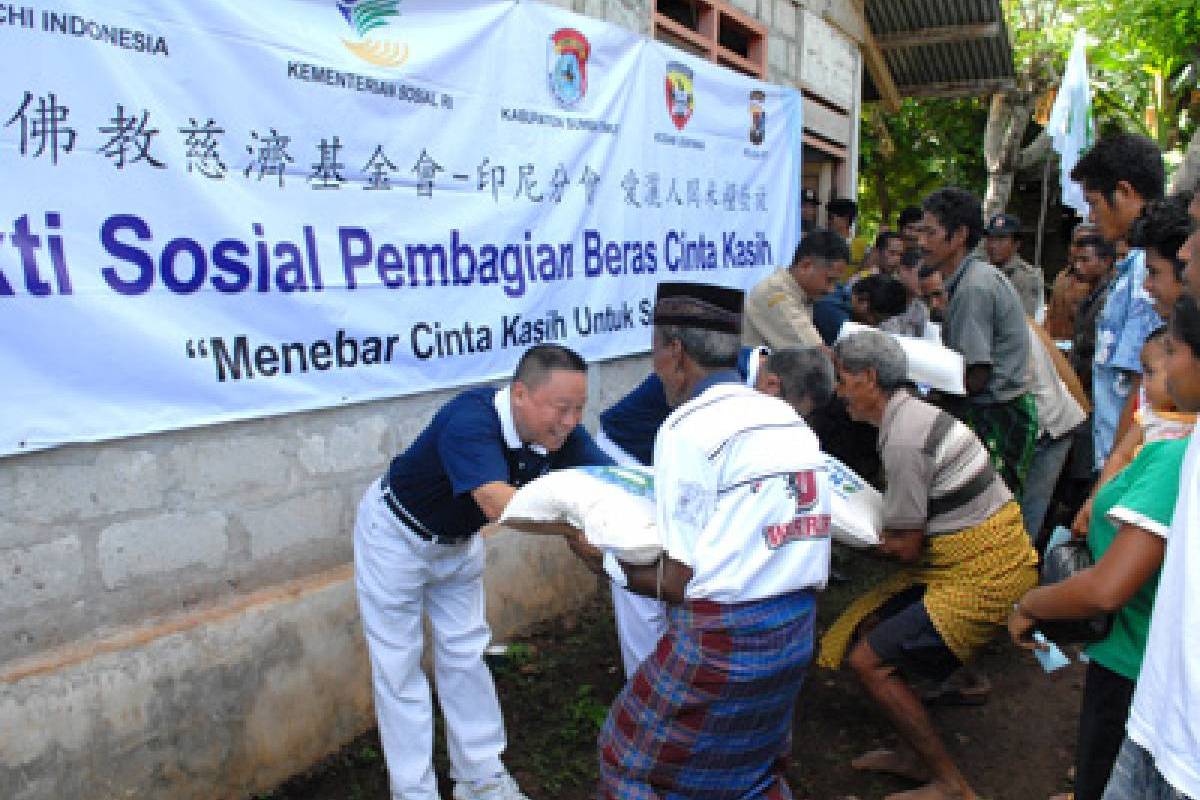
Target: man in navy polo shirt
[416,550]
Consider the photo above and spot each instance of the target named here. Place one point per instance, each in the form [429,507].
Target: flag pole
[1041,228]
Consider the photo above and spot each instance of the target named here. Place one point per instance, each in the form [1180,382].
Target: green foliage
[1145,66]
[1040,33]
[1145,70]
[904,156]
[587,713]
[519,654]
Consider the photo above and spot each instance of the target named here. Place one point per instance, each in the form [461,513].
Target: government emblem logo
[567,56]
[369,19]
[758,116]
[680,95]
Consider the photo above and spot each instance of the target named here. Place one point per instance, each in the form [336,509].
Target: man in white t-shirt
[743,508]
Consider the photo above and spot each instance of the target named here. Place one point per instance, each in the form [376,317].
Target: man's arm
[665,579]
[492,498]
[969,331]
[472,454]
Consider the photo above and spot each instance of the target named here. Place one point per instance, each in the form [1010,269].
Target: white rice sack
[929,363]
[613,506]
[856,508]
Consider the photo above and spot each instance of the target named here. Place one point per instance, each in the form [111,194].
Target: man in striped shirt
[951,521]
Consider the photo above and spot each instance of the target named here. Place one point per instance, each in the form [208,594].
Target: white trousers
[641,621]
[399,576]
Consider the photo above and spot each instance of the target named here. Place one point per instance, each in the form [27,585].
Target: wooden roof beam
[876,64]
[945,34]
[979,88]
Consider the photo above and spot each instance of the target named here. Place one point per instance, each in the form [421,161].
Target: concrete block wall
[783,36]
[177,613]
[633,15]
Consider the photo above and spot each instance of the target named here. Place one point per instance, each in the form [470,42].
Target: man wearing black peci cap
[1003,244]
[743,509]
[416,551]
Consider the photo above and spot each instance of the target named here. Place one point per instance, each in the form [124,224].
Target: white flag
[1070,125]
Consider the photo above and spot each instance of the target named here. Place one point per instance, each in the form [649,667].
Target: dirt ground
[558,682]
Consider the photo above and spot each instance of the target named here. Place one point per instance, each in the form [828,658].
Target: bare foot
[934,791]
[905,765]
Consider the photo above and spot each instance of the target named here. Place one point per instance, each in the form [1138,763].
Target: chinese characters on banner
[215,216]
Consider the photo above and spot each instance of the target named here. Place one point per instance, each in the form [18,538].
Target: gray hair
[709,349]
[804,372]
[875,350]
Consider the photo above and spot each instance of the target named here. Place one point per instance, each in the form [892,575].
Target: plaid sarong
[709,713]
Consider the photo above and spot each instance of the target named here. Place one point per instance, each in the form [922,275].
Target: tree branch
[1034,153]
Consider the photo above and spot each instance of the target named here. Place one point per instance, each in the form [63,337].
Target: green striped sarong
[1009,432]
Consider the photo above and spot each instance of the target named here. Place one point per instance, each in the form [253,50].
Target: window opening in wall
[715,30]
[682,11]
[736,38]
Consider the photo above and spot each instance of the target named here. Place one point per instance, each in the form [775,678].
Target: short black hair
[881,241]
[908,215]
[1163,226]
[824,244]
[1104,248]
[957,208]
[911,257]
[1126,157]
[1185,323]
[927,271]
[842,207]
[539,361]
[885,295]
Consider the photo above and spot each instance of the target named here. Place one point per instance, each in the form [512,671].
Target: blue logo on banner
[567,55]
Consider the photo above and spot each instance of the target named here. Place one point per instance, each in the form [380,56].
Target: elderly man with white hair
[949,518]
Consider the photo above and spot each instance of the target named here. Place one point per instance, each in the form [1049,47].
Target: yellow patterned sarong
[972,579]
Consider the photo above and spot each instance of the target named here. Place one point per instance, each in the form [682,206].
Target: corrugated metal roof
[940,67]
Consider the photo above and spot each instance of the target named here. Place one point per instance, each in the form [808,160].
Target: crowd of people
[1077,408]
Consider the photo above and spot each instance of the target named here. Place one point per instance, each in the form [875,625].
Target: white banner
[222,210]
